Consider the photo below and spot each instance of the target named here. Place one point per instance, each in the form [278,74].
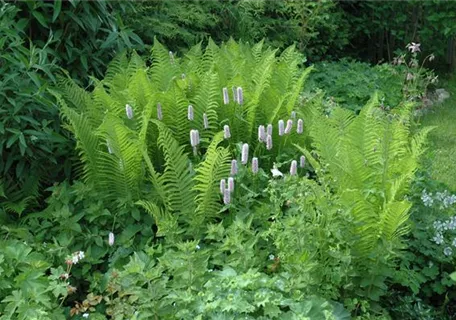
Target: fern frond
[177,178]
[216,166]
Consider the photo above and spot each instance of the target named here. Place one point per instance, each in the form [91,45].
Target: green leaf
[57,8]
[453,276]
[41,19]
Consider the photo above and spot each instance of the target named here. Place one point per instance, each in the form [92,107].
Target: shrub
[318,28]
[38,38]
[350,84]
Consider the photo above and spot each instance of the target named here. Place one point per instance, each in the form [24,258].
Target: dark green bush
[351,83]
[317,27]
[37,39]
[381,28]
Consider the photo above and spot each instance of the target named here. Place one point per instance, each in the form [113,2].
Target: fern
[371,159]
[177,179]
[147,159]
[216,166]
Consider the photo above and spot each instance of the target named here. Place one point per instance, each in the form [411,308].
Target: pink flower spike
[234,94]
[300,127]
[261,133]
[245,153]
[129,111]
[302,161]
[234,168]
[190,112]
[293,167]
[255,165]
[222,186]
[226,97]
[226,196]
[269,129]
[281,127]
[240,96]
[226,131]
[194,138]
[269,142]
[231,184]
[289,126]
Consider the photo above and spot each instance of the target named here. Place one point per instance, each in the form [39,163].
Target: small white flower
[414,47]
[448,251]
[111,239]
[85,315]
[438,239]
[198,247]
[276,172]
[271,257]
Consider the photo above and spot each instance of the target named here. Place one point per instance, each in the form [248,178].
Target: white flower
[276,172]
[438,238]
[198,247]
[271,257]
[85,315]
[414,47]
[448,251]
[111,239]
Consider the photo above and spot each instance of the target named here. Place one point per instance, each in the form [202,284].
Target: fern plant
[369,161]
[132,129]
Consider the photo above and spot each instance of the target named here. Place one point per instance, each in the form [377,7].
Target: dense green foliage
[350,84]
[389,25]
[317,27]
[124,155]
[223,179]
[38,39]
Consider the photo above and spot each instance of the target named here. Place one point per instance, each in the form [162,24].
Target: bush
[318,28]
[350,84]
[38,38]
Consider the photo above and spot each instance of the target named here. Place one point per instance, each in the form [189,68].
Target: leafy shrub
[427,264]
[81,36]
[318,28]
[350,84]
[29,287]
[38,38]
[32,145]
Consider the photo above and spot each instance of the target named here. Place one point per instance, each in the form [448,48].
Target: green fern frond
[216,166]
[177,178]
[166,222]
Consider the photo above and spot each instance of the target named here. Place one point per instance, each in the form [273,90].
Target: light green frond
[177,177]
[216,166]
